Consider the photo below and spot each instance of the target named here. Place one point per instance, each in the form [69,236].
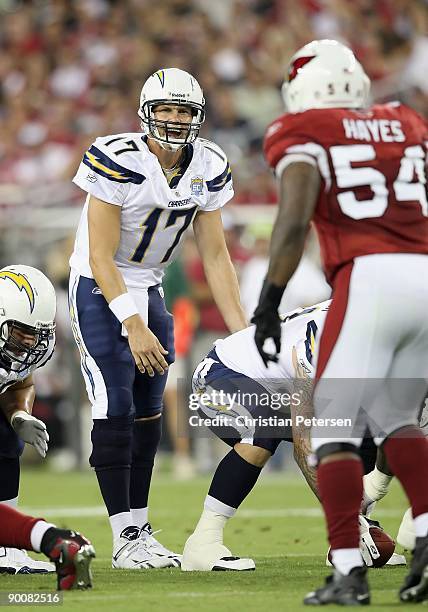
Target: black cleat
[415,587]
[72,554]
[350,590]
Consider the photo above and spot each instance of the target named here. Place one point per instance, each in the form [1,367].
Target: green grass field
[280,526]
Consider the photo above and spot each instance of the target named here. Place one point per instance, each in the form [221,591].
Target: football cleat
[138,549]
[350,590]
[200,555]
[16,561]
[150,544]
[415,587]
[396,559]
[72,554]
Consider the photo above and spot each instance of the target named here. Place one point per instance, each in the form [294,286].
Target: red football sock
[15,528]
[407,454]
[340,485]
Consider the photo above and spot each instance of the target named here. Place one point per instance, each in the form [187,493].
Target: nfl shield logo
[196,185]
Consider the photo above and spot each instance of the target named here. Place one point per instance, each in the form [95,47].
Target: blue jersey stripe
[217,183]
[100,163]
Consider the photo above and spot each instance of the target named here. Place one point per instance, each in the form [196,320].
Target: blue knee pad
[145,441]
[111,443]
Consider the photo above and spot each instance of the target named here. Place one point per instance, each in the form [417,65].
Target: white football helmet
[171,86]
[27,313]
[325,74]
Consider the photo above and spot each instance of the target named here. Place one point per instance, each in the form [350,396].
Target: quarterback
[27,340]
[143,191]
[358,172]
[232,384]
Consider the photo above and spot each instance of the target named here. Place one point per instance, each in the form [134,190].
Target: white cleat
[151,546]
[16,561]
[128,553]
[396,559]
[202,556]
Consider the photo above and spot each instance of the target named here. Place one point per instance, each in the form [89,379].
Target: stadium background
[71,70]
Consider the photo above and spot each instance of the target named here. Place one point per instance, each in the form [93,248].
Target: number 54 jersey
[373,196]
[155,212]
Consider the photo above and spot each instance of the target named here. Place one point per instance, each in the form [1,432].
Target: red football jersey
[373,196]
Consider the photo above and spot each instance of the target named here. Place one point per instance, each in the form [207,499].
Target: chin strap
[167,146]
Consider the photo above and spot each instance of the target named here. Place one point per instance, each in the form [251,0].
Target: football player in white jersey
[232,390]
[143,191]
[27,339]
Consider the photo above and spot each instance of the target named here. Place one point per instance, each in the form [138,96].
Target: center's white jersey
[301,328]
[122,171]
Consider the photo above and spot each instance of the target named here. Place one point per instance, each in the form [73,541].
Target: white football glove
[31,430]
[368,548]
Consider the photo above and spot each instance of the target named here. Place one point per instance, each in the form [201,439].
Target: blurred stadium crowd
[71,70]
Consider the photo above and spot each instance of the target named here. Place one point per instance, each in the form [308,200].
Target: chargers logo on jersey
[197,185]
[100,163]
[22,283]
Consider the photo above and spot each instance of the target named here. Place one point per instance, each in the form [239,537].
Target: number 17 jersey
[372,162]
[155,212]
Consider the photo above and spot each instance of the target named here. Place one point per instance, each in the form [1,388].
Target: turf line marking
[213,593]
[88,511]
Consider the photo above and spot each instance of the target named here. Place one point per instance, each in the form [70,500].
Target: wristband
[23,414]
[123,306]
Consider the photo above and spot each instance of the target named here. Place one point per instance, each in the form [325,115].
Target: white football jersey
[7,379]
[122,171]
[301,328]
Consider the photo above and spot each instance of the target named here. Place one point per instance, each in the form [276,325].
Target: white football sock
[420,524]
[376,484]
[37,533]
[12,503]
[218,507]
[406,532]
[344,559]
[139,516]
[119,522]
[210,527]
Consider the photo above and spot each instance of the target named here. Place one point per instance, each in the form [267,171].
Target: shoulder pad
[218,172]
[108,161]
[214,149]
